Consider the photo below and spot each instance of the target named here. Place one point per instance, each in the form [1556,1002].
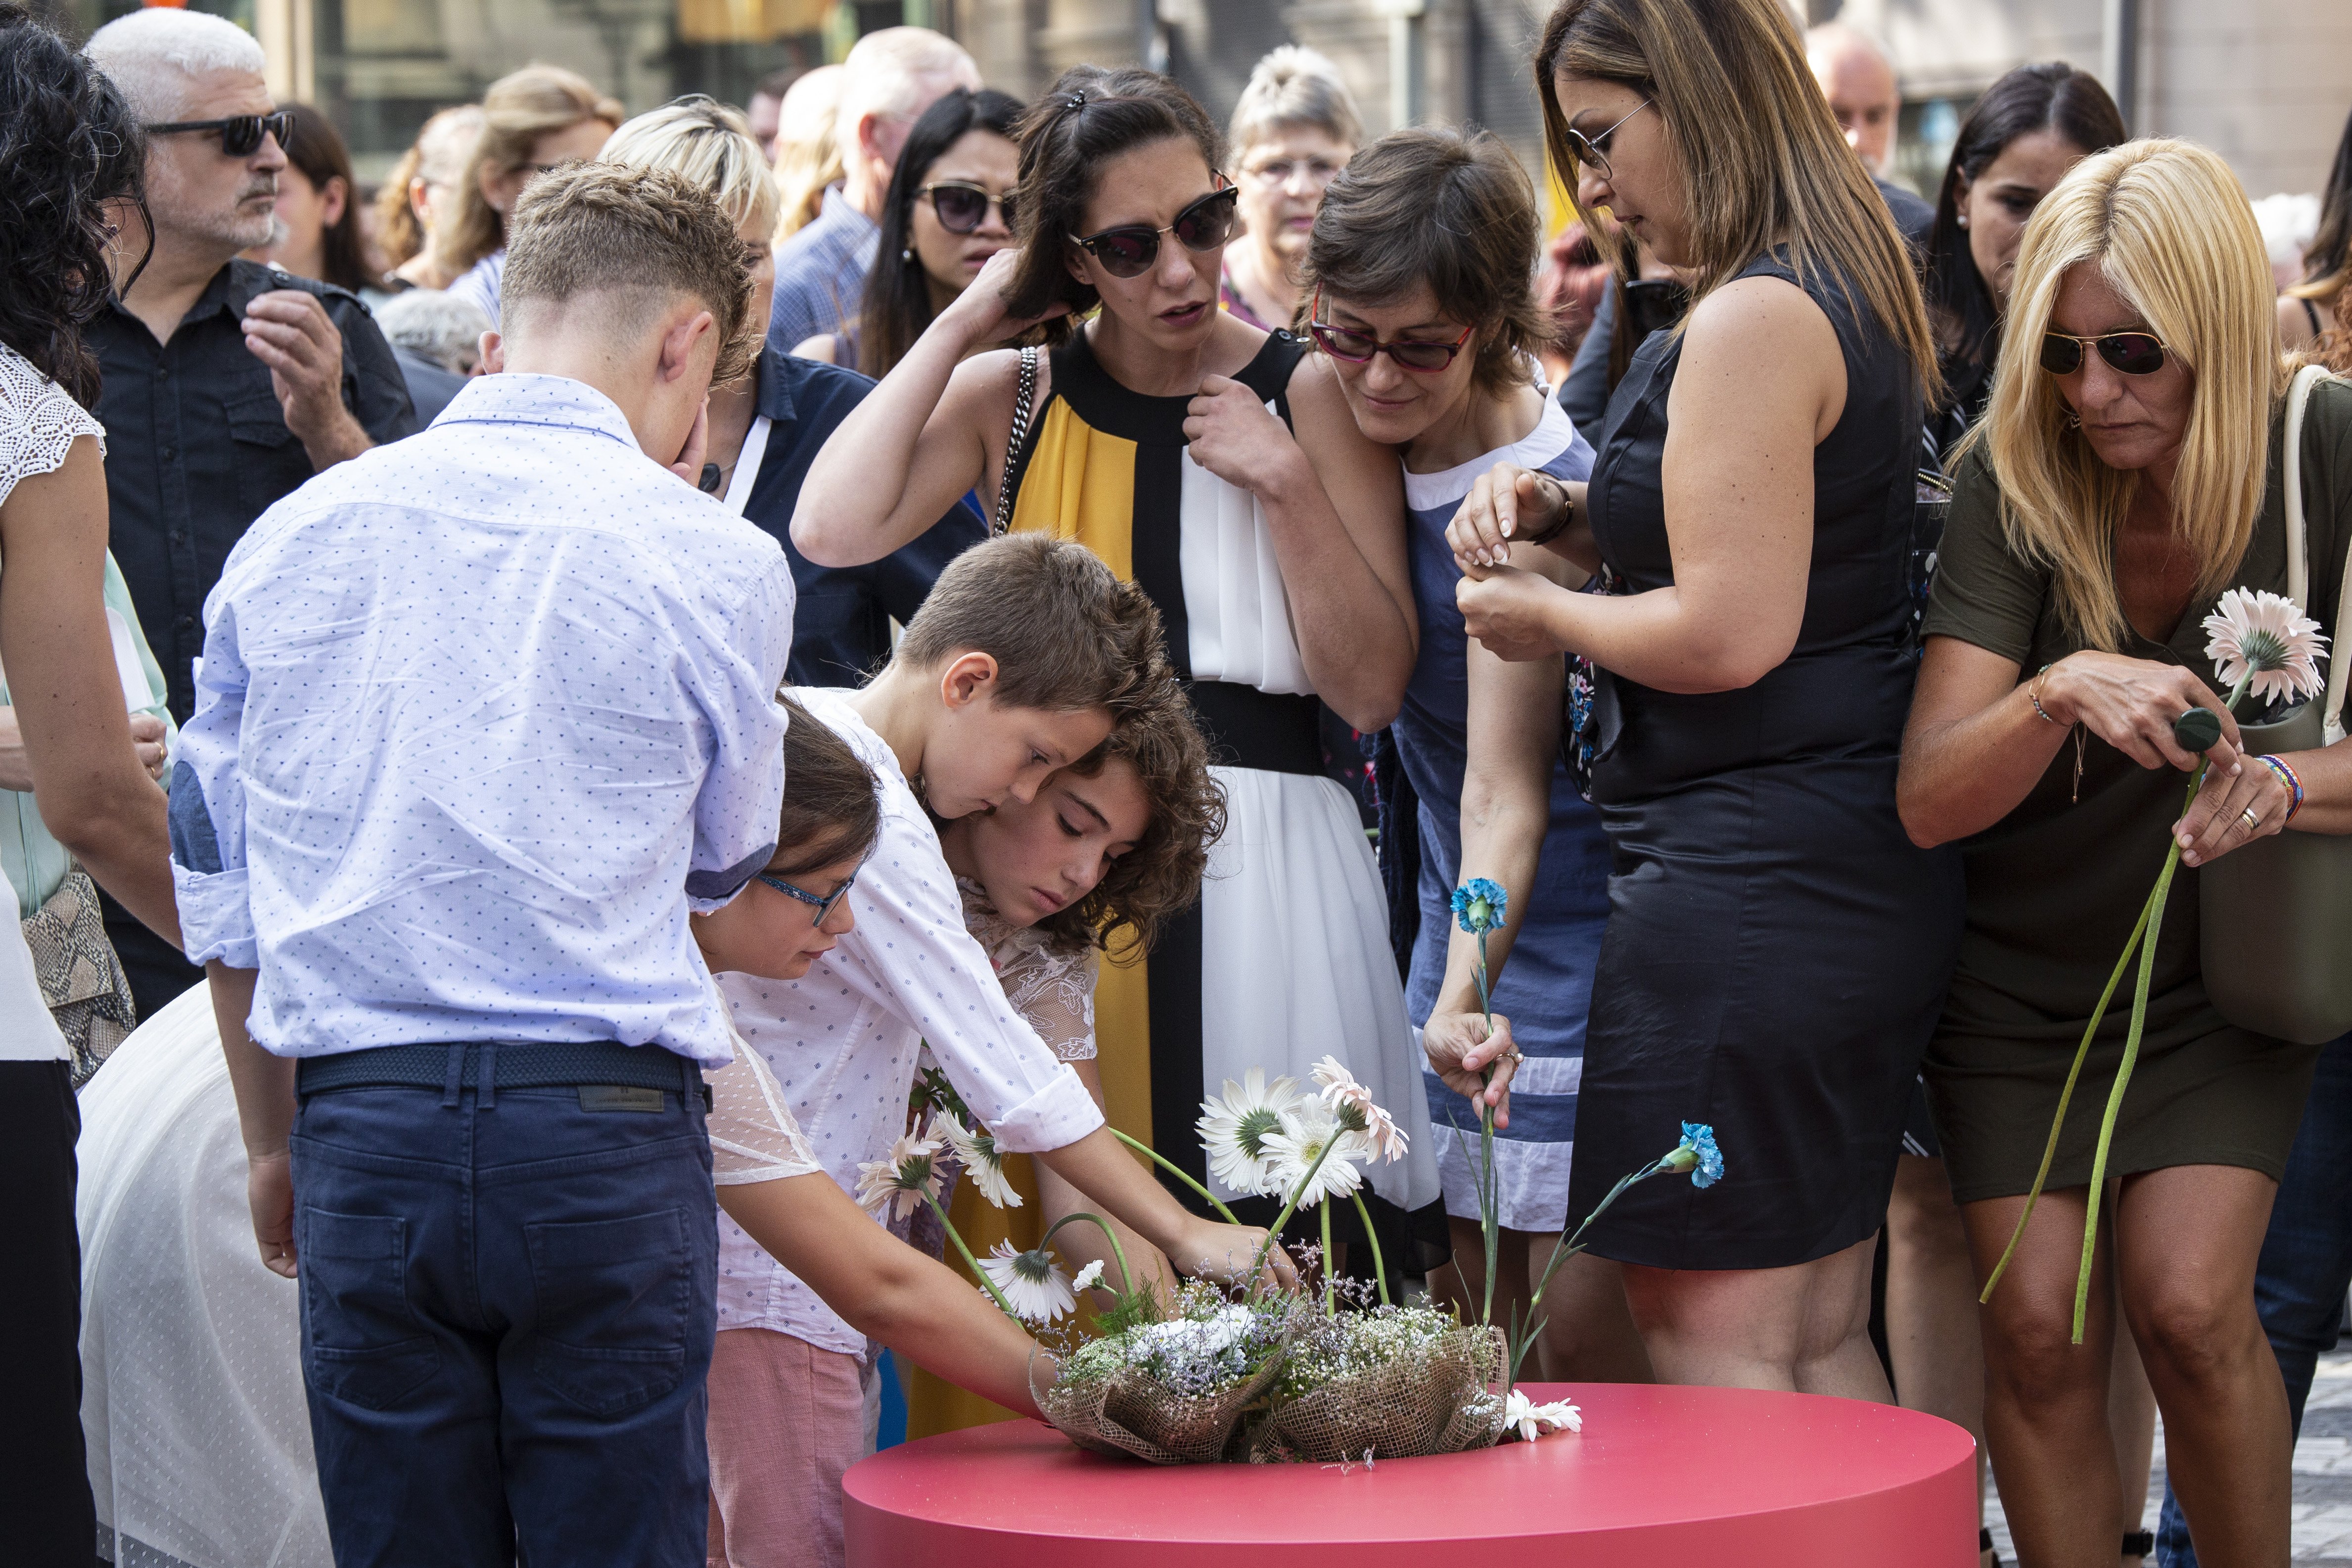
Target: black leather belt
[1275,732]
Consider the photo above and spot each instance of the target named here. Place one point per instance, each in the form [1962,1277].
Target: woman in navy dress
[1777,949]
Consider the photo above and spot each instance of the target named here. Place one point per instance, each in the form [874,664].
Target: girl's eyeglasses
[1128,250]
[240,134]
[1592,151]
[2133,353]
[825,904]
[1423,358]
[961,207]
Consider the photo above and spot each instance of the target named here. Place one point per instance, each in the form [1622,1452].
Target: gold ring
[2250,819]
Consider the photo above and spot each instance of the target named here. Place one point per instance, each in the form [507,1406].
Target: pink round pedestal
[1764,1481]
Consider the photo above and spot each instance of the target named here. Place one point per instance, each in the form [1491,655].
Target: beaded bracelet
[2286,776]
[2034,694]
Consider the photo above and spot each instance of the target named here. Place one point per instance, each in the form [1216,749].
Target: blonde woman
[2127,473]
[531,121]
[808,159]
[1777,949]
[420,196]
[1294,129]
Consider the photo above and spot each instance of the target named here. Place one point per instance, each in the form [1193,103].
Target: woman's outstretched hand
[977,315]
[1506,608]
[1507,502]
[1459,1048]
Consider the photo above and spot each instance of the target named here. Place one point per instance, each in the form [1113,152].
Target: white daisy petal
[1036,1290]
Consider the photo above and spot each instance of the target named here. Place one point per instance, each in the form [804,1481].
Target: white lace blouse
[1054,991]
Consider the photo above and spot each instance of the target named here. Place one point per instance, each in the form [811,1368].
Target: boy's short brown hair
[1066,635]
[592,228]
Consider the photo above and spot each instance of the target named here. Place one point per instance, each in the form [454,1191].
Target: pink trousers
[786,1420]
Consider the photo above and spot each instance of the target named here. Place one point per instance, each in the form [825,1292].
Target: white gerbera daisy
[1560,1416]
[1089,1277]
[1235,1129]
[896,1188]
[2263,639]
[1519,1412]
[1307,1129]
[1353,1103]
[1037,1291]
[976,1147]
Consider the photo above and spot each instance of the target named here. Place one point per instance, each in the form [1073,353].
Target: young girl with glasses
[949,209]
[1219,468]
[1420,277]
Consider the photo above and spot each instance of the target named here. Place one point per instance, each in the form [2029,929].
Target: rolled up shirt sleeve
[736,680]
[910,953]
[207,812]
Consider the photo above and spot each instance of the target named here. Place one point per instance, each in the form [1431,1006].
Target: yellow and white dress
[1286,958]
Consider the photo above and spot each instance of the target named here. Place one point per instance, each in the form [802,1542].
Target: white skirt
[191,1350]
[1295,963]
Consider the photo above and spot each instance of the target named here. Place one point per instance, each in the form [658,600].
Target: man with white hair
[227,383]
[892,77]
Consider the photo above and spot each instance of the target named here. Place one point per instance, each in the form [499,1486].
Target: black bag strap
[1023,408]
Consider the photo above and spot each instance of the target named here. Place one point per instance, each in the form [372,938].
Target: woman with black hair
[318,233]
[73,153]
[2024,133]
[2311,314]
[949,209]
[1219,467]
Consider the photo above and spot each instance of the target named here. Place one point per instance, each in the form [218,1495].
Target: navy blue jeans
[508,1306]
[2306,1261]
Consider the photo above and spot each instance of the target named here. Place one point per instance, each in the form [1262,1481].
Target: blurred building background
[2265,82]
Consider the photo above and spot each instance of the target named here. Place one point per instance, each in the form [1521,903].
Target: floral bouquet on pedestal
[1333,1374]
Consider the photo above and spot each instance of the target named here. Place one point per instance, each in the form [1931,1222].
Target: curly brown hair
[1160,877]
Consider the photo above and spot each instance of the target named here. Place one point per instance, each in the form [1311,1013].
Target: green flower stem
[1570,1243]
[1126,1275]
[2081,1053]
[1330,1301]
[973,1263]
[1147,1149]
[1490,1220]
[1380,1269]
[1273,1231]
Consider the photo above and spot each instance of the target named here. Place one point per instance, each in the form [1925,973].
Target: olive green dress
[2055,888]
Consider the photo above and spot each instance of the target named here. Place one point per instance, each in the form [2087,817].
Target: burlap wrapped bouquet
[1384,1385]
[1174,1391]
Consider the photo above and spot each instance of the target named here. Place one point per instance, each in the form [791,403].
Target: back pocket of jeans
[361,1342]
[613,1297]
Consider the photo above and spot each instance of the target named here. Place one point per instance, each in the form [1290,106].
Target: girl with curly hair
[72,152]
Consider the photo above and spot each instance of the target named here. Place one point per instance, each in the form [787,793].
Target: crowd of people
[546,709]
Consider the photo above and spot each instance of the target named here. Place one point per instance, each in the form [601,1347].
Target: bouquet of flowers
[1266,1373]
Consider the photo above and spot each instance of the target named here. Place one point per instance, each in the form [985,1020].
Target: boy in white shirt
[1020,662]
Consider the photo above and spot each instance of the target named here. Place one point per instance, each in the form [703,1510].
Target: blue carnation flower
[1699,1139]
[1478,905]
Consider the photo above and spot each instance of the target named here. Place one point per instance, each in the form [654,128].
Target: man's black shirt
[197,447]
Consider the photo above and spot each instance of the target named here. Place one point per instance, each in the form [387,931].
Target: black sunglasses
[1425,356]
[1129,250]
[961,207]
[240,134]
[2133,353]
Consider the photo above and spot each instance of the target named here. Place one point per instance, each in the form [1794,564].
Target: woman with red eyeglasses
[1217,466]
[1420,283]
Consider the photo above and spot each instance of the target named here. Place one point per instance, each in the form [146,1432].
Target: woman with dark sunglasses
[1160,435]
[2130,470]
[949,209]
[1420,277]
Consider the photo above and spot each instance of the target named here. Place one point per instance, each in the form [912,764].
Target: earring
[1962,218]
[906,256]
[2073,419]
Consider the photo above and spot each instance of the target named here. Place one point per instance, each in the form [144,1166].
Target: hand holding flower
[2231,811]
[2130,703]
[1460,1048]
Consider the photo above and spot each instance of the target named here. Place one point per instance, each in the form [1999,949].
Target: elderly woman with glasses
[1218,466]
[2129,470]
[1294,129]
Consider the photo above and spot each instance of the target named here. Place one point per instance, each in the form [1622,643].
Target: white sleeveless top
[39,423]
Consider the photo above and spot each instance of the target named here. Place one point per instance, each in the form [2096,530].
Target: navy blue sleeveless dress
[1778,949]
